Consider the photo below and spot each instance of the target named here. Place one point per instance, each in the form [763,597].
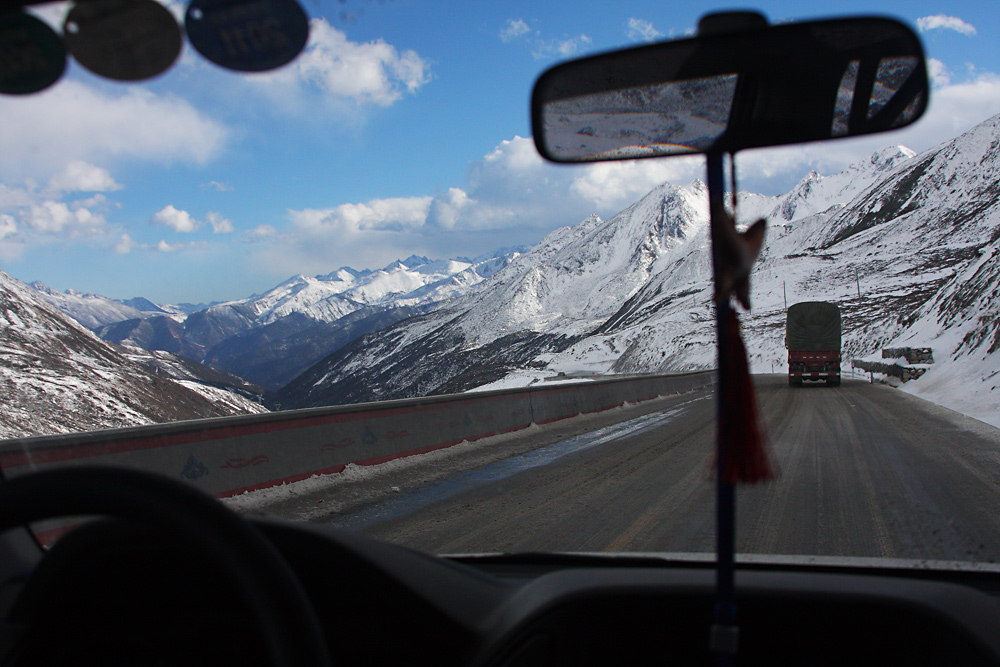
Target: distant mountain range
[906,244]
[271,338]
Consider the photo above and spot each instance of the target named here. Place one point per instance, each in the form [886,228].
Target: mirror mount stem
[725,633]
[717,23]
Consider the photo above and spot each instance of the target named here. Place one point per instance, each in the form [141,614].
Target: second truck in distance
[812,336]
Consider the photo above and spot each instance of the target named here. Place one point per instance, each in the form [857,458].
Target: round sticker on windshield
[32,56]
[247,35]
[127,40]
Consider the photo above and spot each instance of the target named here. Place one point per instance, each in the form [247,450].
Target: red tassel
[746,457]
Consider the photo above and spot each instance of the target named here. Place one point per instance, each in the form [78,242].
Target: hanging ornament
[32,54]
[126,40]
[247,35]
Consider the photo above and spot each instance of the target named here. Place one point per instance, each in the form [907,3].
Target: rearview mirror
[723,92]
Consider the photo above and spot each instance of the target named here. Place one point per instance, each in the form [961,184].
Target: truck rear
[812,336]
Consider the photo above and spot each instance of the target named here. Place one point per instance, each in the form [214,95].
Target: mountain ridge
[238,336]
[884,238]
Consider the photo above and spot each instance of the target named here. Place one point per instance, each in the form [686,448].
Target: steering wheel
[269,587]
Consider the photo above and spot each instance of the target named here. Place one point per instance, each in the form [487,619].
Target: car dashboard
[113,592]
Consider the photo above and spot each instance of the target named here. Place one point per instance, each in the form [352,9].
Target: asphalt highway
[864,470]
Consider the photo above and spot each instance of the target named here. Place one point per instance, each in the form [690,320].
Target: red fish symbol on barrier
[233,464]
[392,435]
[340,444]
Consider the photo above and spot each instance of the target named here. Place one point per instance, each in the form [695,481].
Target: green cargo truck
[812,336]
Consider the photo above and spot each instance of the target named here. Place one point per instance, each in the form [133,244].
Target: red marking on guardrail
[233,464]
[393,435]
[340,444]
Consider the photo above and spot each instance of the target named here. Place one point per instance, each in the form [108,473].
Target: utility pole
[858,281]
[785,293]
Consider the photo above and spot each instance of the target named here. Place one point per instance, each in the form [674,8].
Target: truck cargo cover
[813,325]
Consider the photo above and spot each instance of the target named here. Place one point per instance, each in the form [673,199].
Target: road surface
[865,471]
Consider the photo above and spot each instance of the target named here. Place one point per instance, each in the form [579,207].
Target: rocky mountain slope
[904,243]
[58,377]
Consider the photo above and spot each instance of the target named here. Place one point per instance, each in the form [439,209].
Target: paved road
[866,470]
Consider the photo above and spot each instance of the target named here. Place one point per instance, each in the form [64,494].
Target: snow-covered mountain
[94,310]
[57,377]
[413,281]
[270,338]
[904,243]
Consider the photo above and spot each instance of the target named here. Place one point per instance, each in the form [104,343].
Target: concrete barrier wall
[231,455]
[905,373]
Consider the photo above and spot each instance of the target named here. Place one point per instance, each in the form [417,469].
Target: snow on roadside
[967,385]
[256,500]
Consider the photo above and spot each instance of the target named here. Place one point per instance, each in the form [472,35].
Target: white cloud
[543,47]
[511,196]
[218,186]
[395,214]
[938,73]
[29,217]
[259,233]
[8,226]
[641,31]
[79,176]
[446,211]
[11,198]
[220,224]
[58,218]
[955,108]
[163,246]
[367,73]
[175,219]
[944,22]
[11,243]
[612,185]
[510,187]
[72,121]
[564,47]
[125,245]
[513,29]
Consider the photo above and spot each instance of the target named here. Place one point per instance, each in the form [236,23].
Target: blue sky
[403,129]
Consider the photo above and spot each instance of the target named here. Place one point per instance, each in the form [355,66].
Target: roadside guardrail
[230,455]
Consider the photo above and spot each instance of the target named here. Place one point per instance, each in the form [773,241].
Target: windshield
[349,291]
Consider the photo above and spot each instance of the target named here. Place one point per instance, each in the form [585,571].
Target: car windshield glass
[348,290]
